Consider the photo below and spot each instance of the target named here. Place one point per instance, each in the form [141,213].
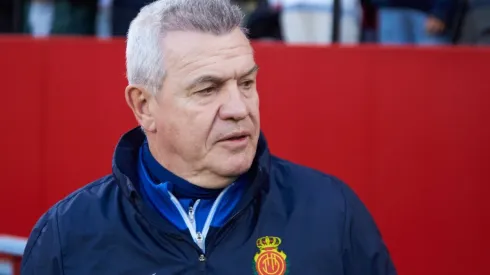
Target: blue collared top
[184,204]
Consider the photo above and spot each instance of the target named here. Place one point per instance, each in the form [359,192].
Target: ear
[139,99]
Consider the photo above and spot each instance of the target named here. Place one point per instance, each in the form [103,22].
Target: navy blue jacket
[291,220]
[442,9]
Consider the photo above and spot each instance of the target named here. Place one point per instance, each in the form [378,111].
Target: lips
[236,136]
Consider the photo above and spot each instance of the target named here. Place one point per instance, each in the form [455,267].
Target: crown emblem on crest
[270,260]
[267,242]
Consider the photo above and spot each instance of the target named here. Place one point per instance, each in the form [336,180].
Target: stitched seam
[59,241]
[28,254]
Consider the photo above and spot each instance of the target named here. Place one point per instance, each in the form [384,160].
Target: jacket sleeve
[42,255]
[364,250]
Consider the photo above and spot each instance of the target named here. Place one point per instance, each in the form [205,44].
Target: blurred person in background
[311,21]
[40,17]
[263,22]
[6,16]
[103,24]
[123,12]
[476,24]
[421,22]
[369,22]
[62,17]
[247,6]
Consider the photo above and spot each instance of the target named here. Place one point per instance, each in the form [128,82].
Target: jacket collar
[125,161]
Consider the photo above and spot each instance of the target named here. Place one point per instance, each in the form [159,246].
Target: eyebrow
[214,79]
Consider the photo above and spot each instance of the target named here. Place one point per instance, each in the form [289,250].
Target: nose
[234,106]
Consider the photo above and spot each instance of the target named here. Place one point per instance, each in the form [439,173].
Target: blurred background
[292,21]
[392,96]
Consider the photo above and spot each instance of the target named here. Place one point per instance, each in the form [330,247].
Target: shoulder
[316,187]
[87,196]
[81,199]
[50,234]
[98,202]
[72,209]
[302,177]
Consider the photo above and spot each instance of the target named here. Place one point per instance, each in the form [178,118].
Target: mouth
[235,137]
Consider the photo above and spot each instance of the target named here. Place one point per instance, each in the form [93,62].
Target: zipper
[198,237]
[191,214]
[202,263]
[190,221]
[189,218]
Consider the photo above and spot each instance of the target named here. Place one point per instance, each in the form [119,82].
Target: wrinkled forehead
[189,53]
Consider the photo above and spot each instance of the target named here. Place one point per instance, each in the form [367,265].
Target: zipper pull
[191,213]
[200,242]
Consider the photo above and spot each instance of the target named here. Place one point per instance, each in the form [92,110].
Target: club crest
[270,260]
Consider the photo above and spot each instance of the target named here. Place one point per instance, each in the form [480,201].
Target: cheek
[254,109]
[170,121]
[194,127]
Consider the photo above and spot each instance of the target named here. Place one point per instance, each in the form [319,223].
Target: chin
[235,165]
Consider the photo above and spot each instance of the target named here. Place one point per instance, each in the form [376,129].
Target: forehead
[188,54]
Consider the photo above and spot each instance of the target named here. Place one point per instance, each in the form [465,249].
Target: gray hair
[144,52]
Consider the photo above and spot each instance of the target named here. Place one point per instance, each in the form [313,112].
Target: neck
[199,177]
[210,181]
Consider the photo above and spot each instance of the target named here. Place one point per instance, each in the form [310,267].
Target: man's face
[207,114]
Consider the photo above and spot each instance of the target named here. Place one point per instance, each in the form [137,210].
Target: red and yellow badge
[269,260]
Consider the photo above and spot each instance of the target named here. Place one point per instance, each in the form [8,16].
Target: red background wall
[408,129]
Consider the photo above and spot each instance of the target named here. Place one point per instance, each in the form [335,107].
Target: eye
[207,91]
[247,84]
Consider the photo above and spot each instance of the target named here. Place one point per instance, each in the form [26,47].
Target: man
[61,17]
[194,189]
[40,17]
[311,21]
[419,22]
